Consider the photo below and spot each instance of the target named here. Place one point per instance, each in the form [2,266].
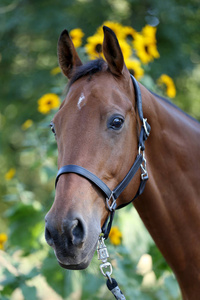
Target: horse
[98,129]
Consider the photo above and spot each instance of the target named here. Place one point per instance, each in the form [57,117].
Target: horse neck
[170,206]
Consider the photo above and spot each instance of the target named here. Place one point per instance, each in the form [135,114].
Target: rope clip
[103,255]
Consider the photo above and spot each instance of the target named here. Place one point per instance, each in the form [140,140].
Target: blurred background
[29,31]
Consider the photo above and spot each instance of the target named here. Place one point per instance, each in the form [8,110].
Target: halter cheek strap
[140,163]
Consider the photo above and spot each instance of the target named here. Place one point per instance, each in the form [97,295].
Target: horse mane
[174,105]
[89,68]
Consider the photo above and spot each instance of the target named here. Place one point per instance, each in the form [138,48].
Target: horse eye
[52,128]
[116,123]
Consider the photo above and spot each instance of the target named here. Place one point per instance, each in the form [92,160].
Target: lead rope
[103,255]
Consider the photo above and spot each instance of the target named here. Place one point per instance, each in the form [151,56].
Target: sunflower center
[98,48]
[146,49]
[49,102]
[132,71]
[129,37]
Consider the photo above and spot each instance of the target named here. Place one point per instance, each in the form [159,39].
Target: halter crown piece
[140,162]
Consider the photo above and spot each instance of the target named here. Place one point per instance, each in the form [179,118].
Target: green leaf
[25,226]
[29,292]
[159,263]
[172,286]
[55,275]
[34,272]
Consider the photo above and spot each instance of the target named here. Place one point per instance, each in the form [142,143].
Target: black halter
[140,162]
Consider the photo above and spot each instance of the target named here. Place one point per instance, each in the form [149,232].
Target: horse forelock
[89,68]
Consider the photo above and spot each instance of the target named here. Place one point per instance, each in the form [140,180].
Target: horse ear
[112,51]
[67,55]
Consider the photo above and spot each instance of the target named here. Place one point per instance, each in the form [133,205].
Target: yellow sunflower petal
[141,47]
[149,33]
[145,44]
[94,46]
[128,33]
[116,27]
[169,83]
[152,49]
[126,48]
[76,36]
[134,67]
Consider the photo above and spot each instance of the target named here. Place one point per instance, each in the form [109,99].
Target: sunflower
[128,33]
[48,102]
[115,236]
[94,46]
[116,27]
[134,67]
[10,174]
[146,50]
[76,36]
[169,83]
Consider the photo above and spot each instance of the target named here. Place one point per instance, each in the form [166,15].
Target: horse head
[96,128]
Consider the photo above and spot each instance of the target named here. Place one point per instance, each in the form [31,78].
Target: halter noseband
[140,162]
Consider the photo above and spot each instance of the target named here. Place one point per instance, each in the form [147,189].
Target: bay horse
[97,129]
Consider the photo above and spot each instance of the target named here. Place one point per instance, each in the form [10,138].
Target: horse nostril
[48,237]
[72,232]
[78,232]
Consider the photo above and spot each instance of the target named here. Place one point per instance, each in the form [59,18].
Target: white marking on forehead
[80,103]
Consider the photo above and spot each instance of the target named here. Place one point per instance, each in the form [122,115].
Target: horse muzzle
[73,240]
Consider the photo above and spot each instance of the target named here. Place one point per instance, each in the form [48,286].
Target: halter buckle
[111,206]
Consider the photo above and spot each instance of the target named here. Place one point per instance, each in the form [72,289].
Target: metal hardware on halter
[144,121]
[111,282]
[144,175]
[143,166]
[106,265]
[111,206]
[102,250]
[103,256]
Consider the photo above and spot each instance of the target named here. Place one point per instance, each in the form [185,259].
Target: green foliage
[29,31]
[159,263]
[11,279]
[25,228]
